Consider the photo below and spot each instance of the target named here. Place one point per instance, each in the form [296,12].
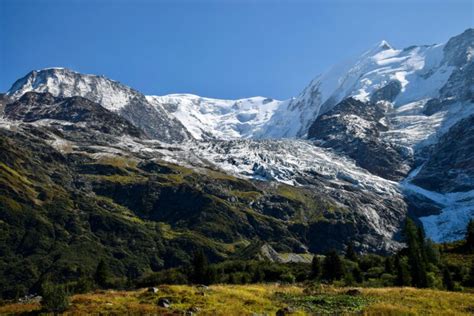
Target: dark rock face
[435,105]
[457,48]
[353,128]
[34,106]
[155,123]
[450,167]
[387,93]
[420,206]
[460,85]
[4,99]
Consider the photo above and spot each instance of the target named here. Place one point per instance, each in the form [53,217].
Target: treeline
[421,263]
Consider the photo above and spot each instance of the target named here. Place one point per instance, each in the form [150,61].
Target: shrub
[102,274]
[288,278]
[55,298]
[169,276]
[333,267]
[84,285]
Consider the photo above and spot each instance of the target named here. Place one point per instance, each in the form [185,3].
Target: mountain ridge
[417,94]
[416,69]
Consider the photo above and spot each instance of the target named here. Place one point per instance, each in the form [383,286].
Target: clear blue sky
[225,49]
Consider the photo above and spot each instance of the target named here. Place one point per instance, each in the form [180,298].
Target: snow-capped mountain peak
[384,45]
[399,76]
[112,95]
[64,82]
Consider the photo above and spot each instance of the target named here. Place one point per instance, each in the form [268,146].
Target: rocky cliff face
[354,128]
[450,167]
[459,54]
[33,107]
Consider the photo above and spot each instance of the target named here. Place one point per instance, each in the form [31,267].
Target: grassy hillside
[266,299]
[61,213]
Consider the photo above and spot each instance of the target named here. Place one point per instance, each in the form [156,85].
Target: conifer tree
[102,274]
[357,274]
[199,268]
[470,236]
[470,277]
[350,253]
[388,265]
[432,252]
[416,254]
[333,267]
[55,298]
[315,268]
[402,273]
[447,279]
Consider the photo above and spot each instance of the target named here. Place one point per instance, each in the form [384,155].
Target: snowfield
[219,119]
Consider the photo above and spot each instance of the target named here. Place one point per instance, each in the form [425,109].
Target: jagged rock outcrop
[32,107]
[458,53]
[450,167]
[353,128]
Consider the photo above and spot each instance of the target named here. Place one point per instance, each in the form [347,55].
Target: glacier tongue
[457,208]
[373,202]
[287,161]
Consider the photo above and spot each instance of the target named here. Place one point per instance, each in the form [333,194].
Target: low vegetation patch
[263,299]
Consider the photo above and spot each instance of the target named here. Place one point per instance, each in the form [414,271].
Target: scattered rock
[30,299]
[284,311]
[153,290]
[353,292]
[202,287]
[164,302]
[192,311]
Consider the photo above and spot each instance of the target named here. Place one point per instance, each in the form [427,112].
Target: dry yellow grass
[410,301]
[255,299]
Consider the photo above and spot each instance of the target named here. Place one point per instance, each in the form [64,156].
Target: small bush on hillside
[55,298]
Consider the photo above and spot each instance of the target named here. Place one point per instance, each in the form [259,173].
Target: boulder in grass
[164,302]
[353,292]
[153,290]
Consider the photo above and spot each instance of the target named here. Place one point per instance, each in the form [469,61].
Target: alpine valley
[91,169]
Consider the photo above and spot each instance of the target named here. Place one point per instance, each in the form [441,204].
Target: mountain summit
[423,74]
[114,96]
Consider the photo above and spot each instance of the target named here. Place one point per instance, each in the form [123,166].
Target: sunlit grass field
[265,299]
